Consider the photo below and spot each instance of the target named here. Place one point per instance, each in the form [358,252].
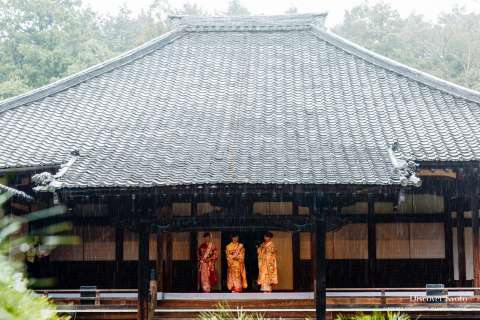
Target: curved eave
[399,68]
[39,167]
[91,72]
[231,187]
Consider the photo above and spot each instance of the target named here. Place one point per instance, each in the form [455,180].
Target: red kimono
[207,275]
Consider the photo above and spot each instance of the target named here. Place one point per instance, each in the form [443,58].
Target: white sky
[335,8]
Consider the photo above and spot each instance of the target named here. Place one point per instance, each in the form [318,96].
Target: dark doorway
[250,241]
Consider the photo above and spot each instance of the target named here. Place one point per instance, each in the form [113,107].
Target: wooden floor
[462,303]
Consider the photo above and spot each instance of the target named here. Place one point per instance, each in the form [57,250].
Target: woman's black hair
[233,235]
[207,234]
[268,234]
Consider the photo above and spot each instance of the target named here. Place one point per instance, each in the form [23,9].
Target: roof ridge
[397,67]
[91,72]
[249,23]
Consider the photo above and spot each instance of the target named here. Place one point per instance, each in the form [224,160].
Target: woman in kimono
[207,255]
[236,275]
[267,264]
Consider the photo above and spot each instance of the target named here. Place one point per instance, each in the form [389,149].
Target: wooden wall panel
[70,253]
[181,208]
[359,207]
[305,246]
[303,211]
[414,203]
[91,210]
[393,240]
[329,246]
[427,241]
[283,242]
[99,243]
[152,247]
[455,253]
[130,246]
[383,207]
[277,208]
[204,208]
[410,241]
[469,253]
[181,246]
[351,242]
[162,211]
[347,244]
[422,203]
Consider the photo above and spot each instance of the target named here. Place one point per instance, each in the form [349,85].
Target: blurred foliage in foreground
[45,40]
[223,313]
[17,302]
[376,316]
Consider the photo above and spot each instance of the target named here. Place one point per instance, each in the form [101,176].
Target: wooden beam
[143,274]
[475,240]
[395,217]
[119,237]
[212,191]
[194,245]
[372,242]
[159,262]
[168,269]
[438,173]
[448,225]
[247,223]
[296,248]
[461,245]
[319,218]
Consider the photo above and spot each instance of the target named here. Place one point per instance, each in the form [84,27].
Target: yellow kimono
[267,266]
[236,275]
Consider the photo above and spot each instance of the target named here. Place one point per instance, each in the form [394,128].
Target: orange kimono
[267,266]
[207,275]
[236,275]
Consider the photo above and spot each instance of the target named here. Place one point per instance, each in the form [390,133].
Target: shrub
[375,316]
[223,313]
[17,302]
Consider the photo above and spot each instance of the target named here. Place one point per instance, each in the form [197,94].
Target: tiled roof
[269,100]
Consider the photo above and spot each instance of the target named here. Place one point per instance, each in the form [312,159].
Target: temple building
[365,170]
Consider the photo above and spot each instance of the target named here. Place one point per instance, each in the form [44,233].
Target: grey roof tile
[244,100]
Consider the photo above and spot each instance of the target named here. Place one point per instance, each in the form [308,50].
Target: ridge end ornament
[404,168]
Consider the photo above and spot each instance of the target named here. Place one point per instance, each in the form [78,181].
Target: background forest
[44,40]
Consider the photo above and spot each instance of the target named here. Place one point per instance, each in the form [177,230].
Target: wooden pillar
[461,245]
[448,225]
[372,242]
[142,273]
[193,246]
[320,292]
[119,236]
[475,239]
[159,262]
[296,248]
[168,264]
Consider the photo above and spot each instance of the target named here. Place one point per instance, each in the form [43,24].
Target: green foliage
[17,302]
[223,313]
[375,316]
[125,31]
[235,8]
[45,40]
[449,49]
